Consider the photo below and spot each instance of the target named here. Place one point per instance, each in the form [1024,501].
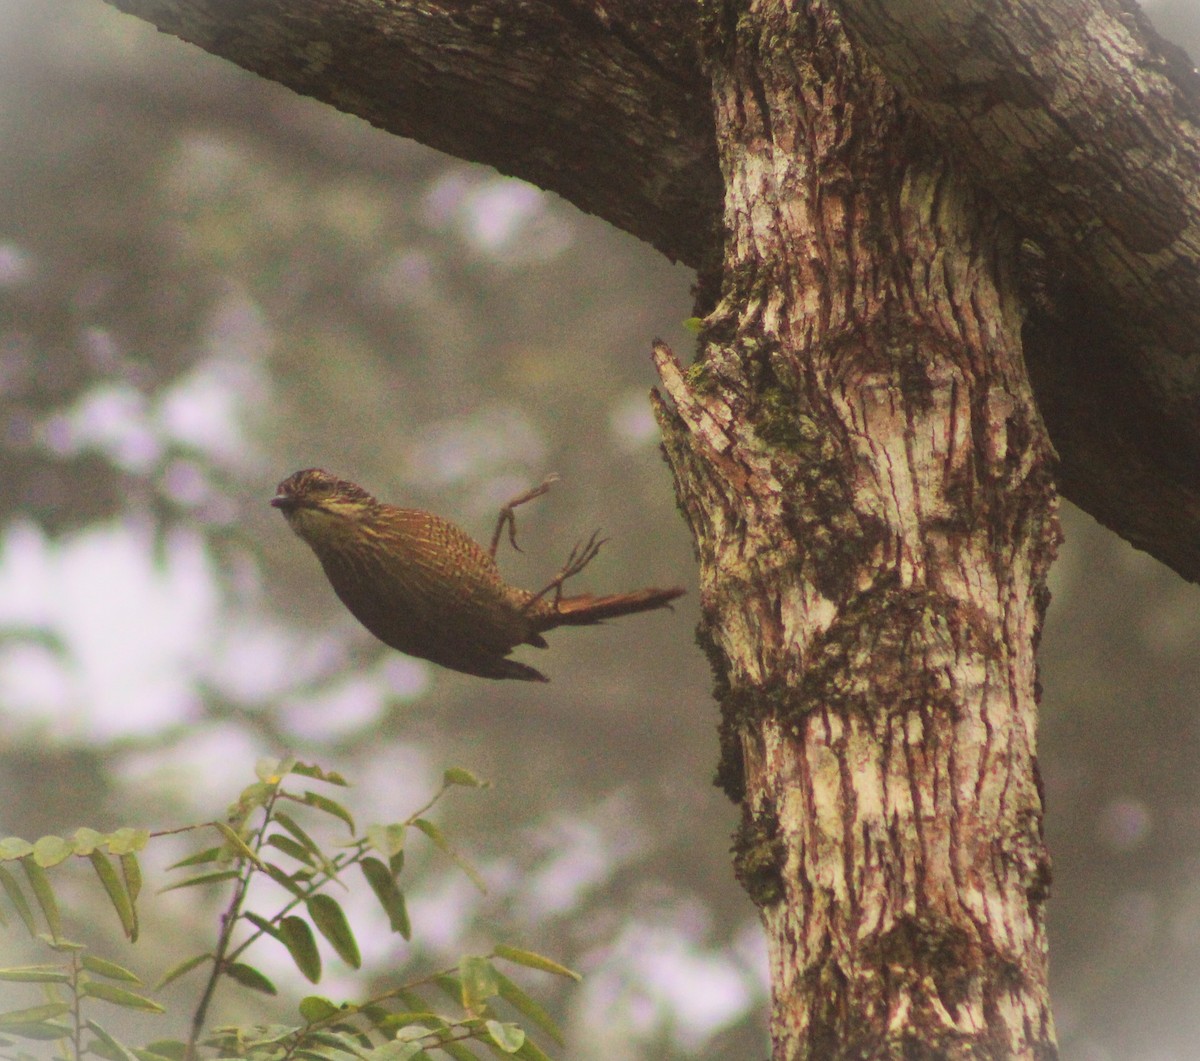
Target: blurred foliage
[207,282]
[261,839]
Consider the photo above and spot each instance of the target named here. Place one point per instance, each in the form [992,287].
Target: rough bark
[1081,123]
[1086,126]
[869,483]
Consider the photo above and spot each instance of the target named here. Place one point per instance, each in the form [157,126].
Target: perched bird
[422,585]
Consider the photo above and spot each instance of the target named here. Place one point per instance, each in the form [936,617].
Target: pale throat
[333,520]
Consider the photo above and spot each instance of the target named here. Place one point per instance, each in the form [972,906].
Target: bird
[424,586]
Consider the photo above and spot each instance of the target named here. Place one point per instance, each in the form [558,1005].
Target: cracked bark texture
[869,484]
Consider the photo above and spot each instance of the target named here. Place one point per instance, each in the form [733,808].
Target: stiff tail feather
[586,609]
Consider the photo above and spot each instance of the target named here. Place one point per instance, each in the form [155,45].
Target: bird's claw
[580,556]
[508,519]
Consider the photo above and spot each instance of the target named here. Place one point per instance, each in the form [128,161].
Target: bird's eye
[320,486]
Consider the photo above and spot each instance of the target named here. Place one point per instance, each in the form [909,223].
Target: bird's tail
[586,609]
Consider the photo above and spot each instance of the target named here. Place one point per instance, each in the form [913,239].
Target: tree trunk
[870,488]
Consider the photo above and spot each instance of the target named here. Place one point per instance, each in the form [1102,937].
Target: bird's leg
[581,556]
[506,517]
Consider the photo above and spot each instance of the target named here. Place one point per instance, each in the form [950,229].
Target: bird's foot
[581,555]
[508,519]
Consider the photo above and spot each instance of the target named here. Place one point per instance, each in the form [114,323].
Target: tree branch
[603,104]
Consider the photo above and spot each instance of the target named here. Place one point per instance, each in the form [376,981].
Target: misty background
[208,282]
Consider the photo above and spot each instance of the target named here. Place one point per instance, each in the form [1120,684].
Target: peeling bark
[868,480]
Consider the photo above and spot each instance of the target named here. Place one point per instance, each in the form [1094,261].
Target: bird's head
[320,506]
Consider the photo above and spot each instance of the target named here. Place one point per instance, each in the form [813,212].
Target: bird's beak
[285,502]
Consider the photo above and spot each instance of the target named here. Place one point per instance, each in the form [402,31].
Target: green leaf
[174,1049]
[34,1014]
[116,893]
[271,771]
[509,1037]
[478,982]
[127,841]
[390,1023]
[416,1030]
[249,977]
[534,961]
[236,844]
[383,884]
[112,884]
[263,925]
[457,1051]
[284,880]
[145,1053]
[215,877]
[396,1051]
[451,986]
[331,922]
[39,884]
[101,967]
[84,840]
[315,1008]
[530,1052]
[13,847]
[311,770]
[418,1005]
[435,834]
[456,775]
[60,944]
[108,1047]
[388,840]
[527,1007]
[298,938]
[118,996]
[236,1040]
[49,851]
[252,797]
[131,870]
[329,806]
[36,1030]
[293,827]
[351,1044]
[182,969]
[374,1012]
[289,847]
[209,854]
[35,974]
[694,324]
[17,897]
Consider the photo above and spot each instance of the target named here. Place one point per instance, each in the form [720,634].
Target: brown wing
[422,585]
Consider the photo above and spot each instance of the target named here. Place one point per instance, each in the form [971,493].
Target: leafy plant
[270,831]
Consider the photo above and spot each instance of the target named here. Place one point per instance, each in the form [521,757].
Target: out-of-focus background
[207,282]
